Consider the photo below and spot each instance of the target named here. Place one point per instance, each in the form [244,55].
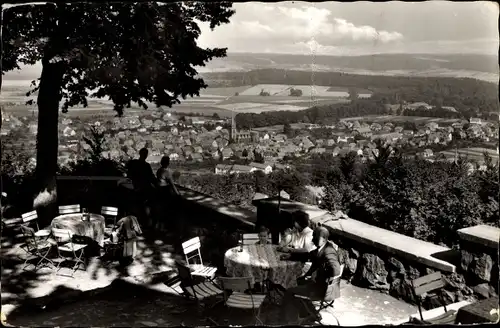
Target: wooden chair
[241,296]
[65,245]
[323,304]
[200,292]
[110,212]
[69,209]
[192,250]
[425,284]
[32,217]
[252,238]
[34,248]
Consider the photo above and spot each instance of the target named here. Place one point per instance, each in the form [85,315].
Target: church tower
[233,132]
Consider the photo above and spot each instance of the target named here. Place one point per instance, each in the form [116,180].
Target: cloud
[283,29]
[364,33]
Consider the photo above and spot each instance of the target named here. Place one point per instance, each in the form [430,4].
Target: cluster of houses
[164,134]
[266,168]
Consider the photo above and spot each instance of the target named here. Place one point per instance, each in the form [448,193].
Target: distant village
[197,139]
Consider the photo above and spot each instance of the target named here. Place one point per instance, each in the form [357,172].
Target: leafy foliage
[129,52]
[295,92]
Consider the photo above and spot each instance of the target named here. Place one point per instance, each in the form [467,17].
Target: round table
[93,228]
[262,262]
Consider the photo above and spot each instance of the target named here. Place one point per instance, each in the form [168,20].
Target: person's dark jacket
[141,174]
[325,264]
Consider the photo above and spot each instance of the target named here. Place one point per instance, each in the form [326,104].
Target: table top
[264,256]
[72,217]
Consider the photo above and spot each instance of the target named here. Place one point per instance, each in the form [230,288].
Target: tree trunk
[45,201]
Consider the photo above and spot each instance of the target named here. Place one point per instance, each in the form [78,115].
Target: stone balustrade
[479,258]
[380,259]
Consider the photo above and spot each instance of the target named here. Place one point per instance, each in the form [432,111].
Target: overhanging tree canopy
[129,52]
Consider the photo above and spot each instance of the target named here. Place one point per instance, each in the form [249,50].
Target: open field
[473,153]
[307,91]
[398,119]
[211,100]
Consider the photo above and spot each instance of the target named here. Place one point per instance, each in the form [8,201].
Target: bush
[428,201]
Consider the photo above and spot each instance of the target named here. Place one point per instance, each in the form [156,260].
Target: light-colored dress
[128,229]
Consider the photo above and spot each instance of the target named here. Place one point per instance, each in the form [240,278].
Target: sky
[356,28]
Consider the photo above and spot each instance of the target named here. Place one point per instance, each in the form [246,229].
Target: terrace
[105,294]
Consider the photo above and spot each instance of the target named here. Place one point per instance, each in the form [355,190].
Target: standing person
[325,266]
[143,179]
[167,191]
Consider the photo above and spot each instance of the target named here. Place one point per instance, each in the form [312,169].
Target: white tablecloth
[262,262]
[94,228]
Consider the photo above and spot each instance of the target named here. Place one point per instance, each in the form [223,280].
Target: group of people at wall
[151,197]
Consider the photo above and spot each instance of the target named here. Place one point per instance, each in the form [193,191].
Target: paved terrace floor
[131,301]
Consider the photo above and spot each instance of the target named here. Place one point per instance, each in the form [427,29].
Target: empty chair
[66,246]
[201,292]
[32,218]
[34,248]
[69,209]
[192,250]
[110,212]
[241,296]
[426,284]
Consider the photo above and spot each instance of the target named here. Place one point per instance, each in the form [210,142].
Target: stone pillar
[479,258]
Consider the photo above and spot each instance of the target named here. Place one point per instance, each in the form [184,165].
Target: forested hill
[410,63]
[470,97]
[338,79]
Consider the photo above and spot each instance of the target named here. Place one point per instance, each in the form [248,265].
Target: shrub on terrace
[428,201]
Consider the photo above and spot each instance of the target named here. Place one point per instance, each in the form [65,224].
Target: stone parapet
[479,258]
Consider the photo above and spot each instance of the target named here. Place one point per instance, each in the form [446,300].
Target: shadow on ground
[123,304]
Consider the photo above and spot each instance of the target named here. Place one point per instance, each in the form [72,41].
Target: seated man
[299,240]
[325,266]
[263,236]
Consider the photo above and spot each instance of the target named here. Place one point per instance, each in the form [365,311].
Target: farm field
[391,118]
[211,100]
[474,153]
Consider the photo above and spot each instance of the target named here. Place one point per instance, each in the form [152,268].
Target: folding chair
[425,284]
[192,249]
[323,304]
[198,292]
[241,296]
[65,245]
[34,248]
[252,238]
[110,212]
[32,217]
[69,209]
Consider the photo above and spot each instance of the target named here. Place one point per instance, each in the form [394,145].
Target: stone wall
[389,263]
[375,269]
[218,224]
[479,259]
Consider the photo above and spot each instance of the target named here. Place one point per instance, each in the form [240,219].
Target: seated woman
[263,236]
[299,239]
